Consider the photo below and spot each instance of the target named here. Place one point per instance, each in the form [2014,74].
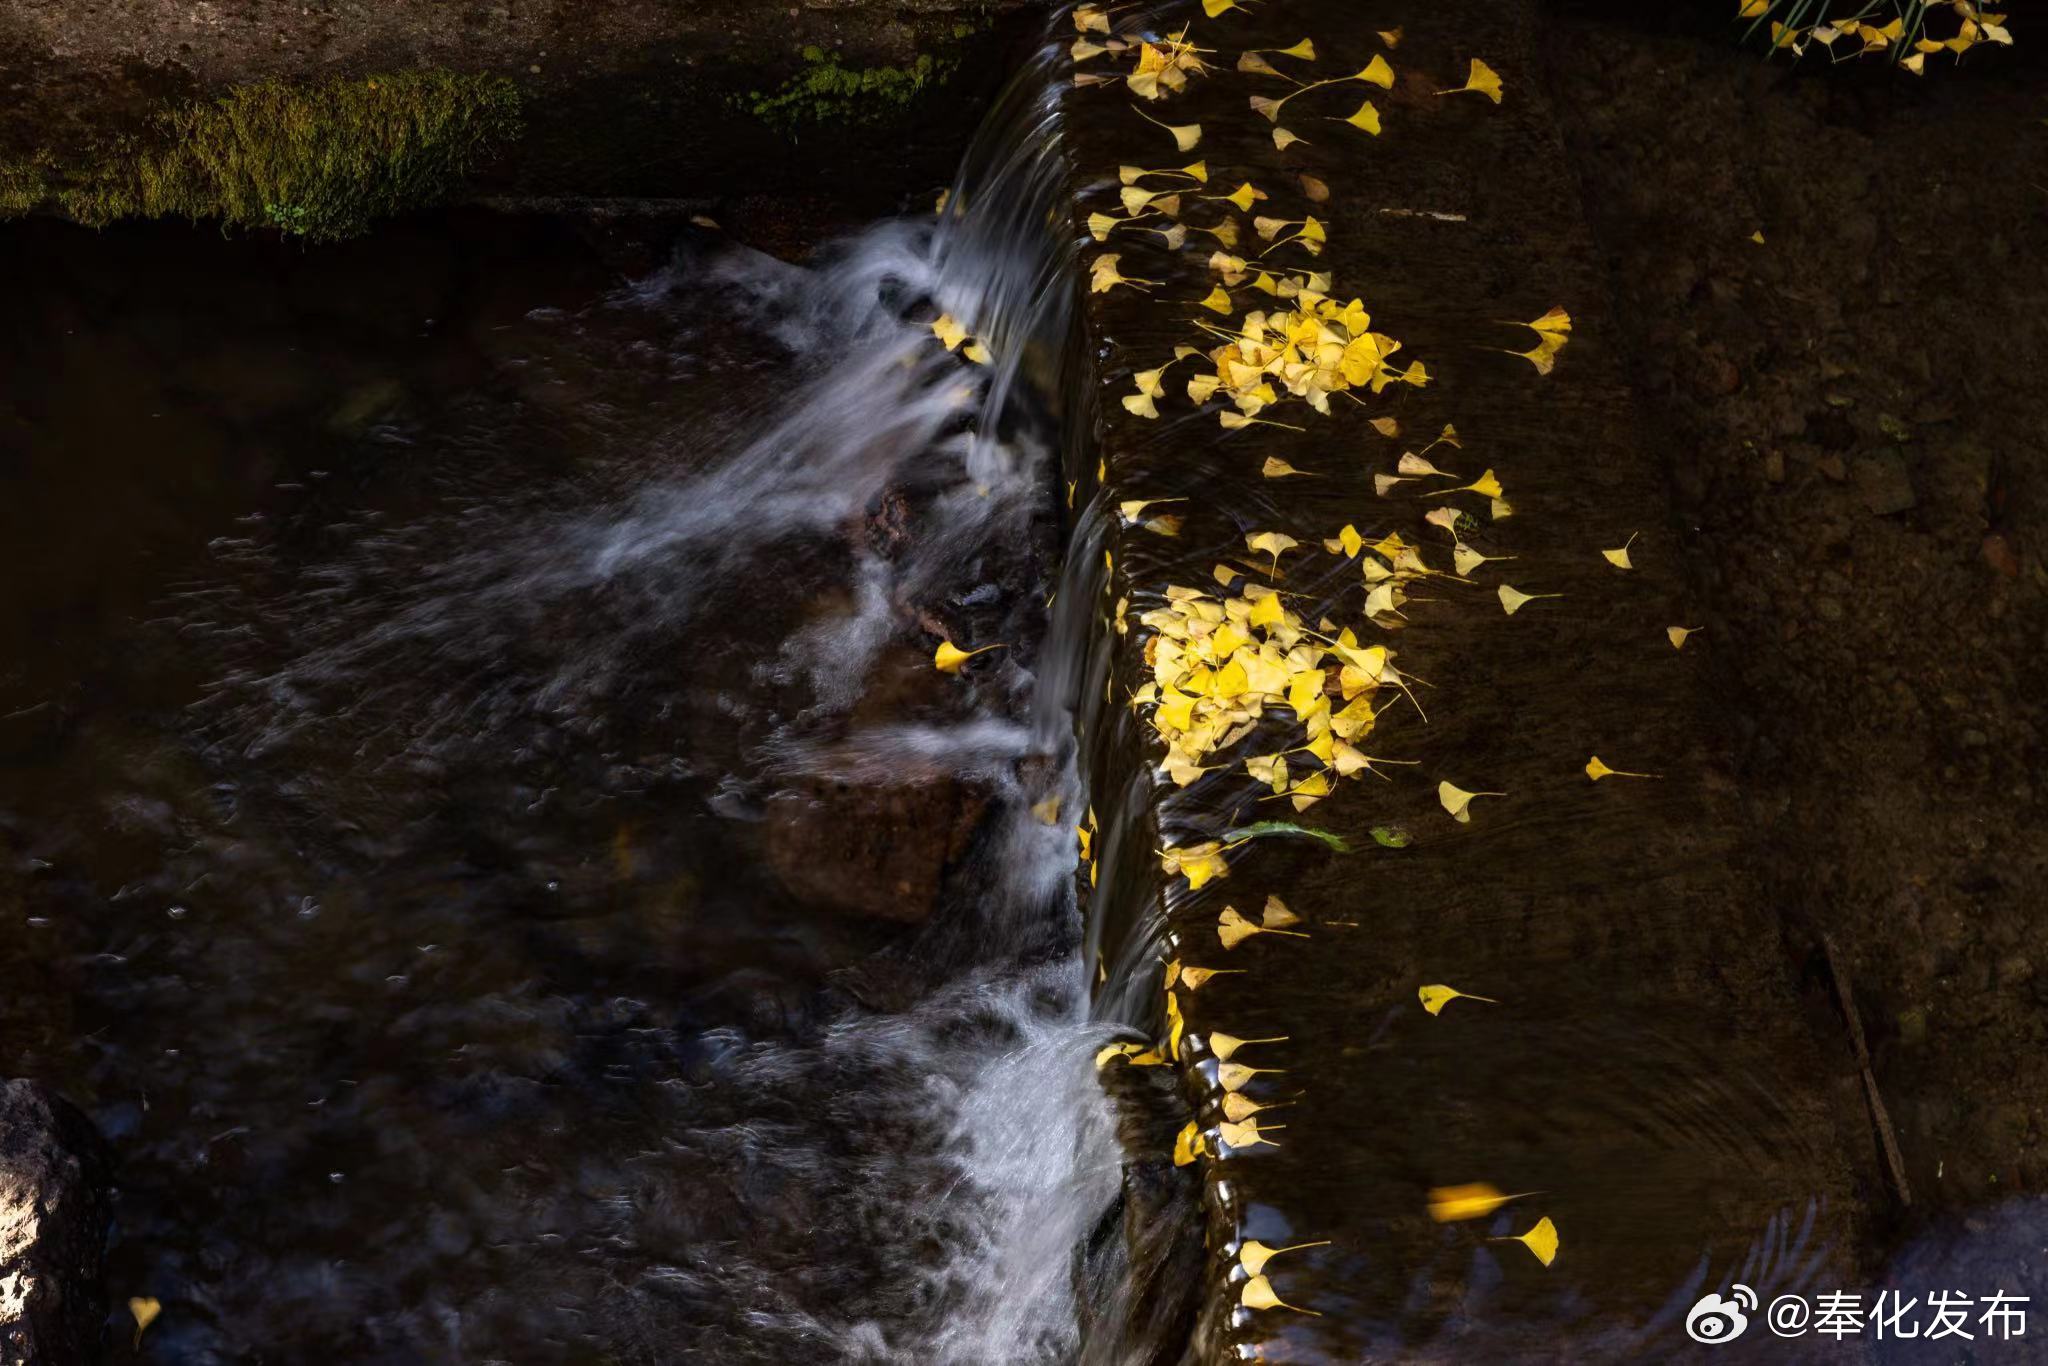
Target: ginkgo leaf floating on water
[1540,1240]
[1233,929]
[1552,331]
[1225,1046]
[1678,635]
[1237,1106]
[1195,978]
[1276,468]
[948,330]
[1233,1076]
[948,658]
[1513,599]
[1436,996]
[1258,1293]
[1187,1144]
[1186,136]
[1198,863]
[1619,557]
[1247,1134]
[1481,80]
[1090,19]
[1457,801]
[144,1310]
[1476,1200]
[1104,275]
[1254,1255]
[1597,770]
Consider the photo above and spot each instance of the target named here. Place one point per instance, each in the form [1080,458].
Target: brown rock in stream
[871,849]
[53,1229]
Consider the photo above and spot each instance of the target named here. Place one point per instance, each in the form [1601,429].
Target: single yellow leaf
[1090,19]
[1753,9]
[1386,426]
[1757,237]
[1367,118]
[1512,600]
[1597,770]
[1218,300]
[1485,485]
[1246,1134]
[1240,1107]
[1258,1293]
[1392,36]
[1195,978]
[1273,543]
[1482,80]
[1141,404]
[1436,996]
[1305,50]
[1186,136]
[1275,915]
[1187,1144]
[1283,139]
[1254,1255]
[1378,73]
[1619,558]
[1233,1076]
[1457,800]
[1541,1240]
[1678,635]
[949,657]
[1225,1045]
[948,330]
[1475,1200]
[145,1309]
[1276,468]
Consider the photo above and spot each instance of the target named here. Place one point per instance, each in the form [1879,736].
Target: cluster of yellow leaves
[1975,25]
[1317,348]
[1158,69]
[1220,661]
[953,335]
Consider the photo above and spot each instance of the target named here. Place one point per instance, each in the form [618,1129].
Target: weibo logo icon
[1715,1319]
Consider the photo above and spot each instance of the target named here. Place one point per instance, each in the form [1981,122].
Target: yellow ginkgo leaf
[1597,770]
[1457,800]
[1254,1255]
[1244,196]
[1485,485]
[1367,118]
[1258,1293]
[1466,559]
[1233,1076]
[1556,321]
[1305,50]
[1255,64]
[1187,1144]
[1233,929]
[1436,996]
[1218,300]
[1513,599]
[1186,136]
[1390,36]
[1619,557]
[144,1309]
[1386,426]
[949,657]
[1678,635]
[1090,19]
[1476,1200]
[978,353]
[1141,404]
[1105,276]
[1482,80]
[1284,138]
[1378,73]
[1502,509]
[1217,8]
[1238,1107]
[1273,543]
[1195,978]
[1753,9]
[1276,468]
[948,330]
[1247,1133]
[1083,50]
[1224,1046]
[1541,1240]
[1275,915]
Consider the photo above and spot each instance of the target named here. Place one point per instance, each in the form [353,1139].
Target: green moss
[320,161]
[826,92]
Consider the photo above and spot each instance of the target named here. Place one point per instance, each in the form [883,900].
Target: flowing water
[426,824]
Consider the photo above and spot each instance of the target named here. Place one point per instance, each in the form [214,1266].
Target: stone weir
[1490,1049]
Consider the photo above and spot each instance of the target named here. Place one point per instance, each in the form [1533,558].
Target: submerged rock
[872,849]
[53,1229]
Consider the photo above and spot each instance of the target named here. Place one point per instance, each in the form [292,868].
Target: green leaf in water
[1262,829]
[1391,836]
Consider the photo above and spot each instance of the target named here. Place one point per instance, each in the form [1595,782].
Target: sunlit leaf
[1540,1240]
[1512,599]
[1186,136]
[144,1309]
[1187,1144]
[1483,80]
[949,657]
[1457,800]
[1378,73]
[1141,404]
[1619,558]
[948,330]
[1476,1200]
[1195,978]
[1273,543]
[1235,1076]
[1233,929]
[1238,1107]
[1258,1293]
[1276,468]
[1678,635]
[1436,996]
[1226,1045]
[1597,770]
[1367,117]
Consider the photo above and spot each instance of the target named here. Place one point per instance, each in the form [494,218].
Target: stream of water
[415,858]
